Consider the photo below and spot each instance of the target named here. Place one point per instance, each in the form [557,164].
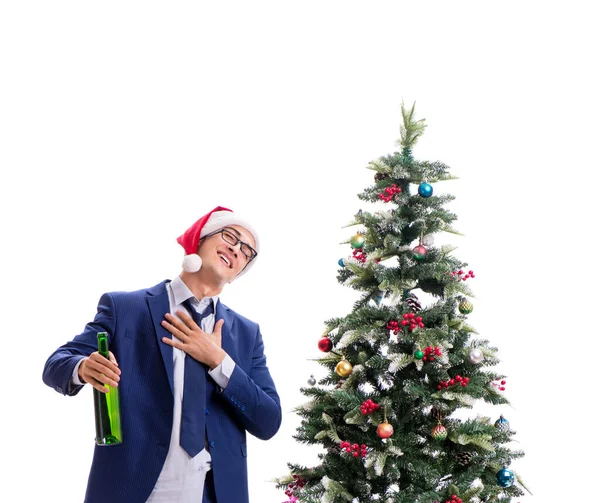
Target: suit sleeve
[60,365]
[254,397]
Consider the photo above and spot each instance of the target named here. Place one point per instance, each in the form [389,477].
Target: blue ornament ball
[502,424]
[505,477]
[341,262]
[425,189]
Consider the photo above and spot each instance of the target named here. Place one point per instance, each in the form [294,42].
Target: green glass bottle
[107,411]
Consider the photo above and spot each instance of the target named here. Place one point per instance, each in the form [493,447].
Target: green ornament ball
[357,241]
[465,307]
[363,356]
[418,354]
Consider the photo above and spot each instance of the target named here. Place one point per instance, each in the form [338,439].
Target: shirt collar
[181,293]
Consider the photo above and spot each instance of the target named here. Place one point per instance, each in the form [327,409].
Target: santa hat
[213,221]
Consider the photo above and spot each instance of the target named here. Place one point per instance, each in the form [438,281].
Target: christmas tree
[399,372]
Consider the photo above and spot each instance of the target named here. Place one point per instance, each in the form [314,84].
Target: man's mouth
[226,260]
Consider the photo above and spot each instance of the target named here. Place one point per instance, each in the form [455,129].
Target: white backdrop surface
[121,123]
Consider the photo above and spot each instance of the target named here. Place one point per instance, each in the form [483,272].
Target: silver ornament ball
[312,381]
[475,356]
[427,240]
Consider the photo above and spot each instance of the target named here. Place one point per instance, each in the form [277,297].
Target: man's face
[221,256]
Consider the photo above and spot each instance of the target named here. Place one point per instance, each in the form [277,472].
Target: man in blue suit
[191,373]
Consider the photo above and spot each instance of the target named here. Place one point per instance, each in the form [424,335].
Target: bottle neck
[103,344]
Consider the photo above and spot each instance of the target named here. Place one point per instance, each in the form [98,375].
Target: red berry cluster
[454,499]
[412,321]
[390,192]
[393,325]
[369,406]
[431,353]
[457,380]
[294,486]
[462,275]
[359,255]
[355,449]
[499,384]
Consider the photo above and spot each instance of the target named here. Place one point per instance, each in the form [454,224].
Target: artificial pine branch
[411,129]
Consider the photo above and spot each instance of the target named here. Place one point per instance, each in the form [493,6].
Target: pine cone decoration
[380,176]
[413,303]
[436,414]
[340,383]
[464,458]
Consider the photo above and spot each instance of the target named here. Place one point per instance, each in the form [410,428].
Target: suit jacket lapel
[227,335]
[158,302]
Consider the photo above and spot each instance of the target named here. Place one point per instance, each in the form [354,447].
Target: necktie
[192,433]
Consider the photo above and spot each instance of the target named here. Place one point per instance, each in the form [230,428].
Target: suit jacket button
[207,412]
[211,444]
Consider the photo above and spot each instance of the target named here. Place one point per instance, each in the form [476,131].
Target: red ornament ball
[385,430]
[419,252]
[439,432]
[325,344]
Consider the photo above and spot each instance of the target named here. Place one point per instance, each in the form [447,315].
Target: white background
[121,123]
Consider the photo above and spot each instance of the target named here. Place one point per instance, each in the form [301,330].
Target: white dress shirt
[182,477]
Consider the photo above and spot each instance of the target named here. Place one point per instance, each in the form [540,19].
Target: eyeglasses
[249,252]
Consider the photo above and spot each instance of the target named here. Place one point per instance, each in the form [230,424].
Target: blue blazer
[127,473]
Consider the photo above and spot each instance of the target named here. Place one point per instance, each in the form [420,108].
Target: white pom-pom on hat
[192,263]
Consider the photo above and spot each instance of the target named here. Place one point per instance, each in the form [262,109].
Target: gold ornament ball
[343,368]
